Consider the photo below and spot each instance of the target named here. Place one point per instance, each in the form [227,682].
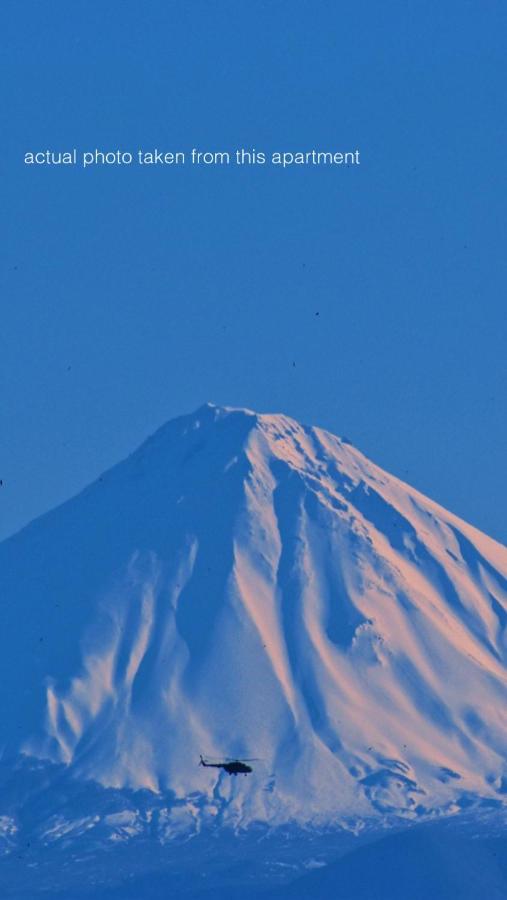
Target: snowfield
[245,586]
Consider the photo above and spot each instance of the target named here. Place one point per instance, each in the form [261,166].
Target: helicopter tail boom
[209,765]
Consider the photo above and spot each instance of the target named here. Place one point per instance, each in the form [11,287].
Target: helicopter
[231,766]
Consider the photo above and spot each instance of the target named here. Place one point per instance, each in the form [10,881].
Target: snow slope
[243,585]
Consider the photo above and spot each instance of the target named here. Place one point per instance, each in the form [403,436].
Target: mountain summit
[245,586]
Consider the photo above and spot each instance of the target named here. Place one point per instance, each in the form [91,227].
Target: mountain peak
[236,429]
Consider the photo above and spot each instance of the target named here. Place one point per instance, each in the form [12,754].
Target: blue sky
[130,296]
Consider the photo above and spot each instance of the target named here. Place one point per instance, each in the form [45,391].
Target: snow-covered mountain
[243,585]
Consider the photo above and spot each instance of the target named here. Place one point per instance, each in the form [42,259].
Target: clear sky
[132,295]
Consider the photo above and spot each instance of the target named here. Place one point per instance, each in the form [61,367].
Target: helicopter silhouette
[231,766]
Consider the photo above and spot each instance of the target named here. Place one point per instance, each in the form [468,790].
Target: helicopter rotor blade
[220,760]
[243,759]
